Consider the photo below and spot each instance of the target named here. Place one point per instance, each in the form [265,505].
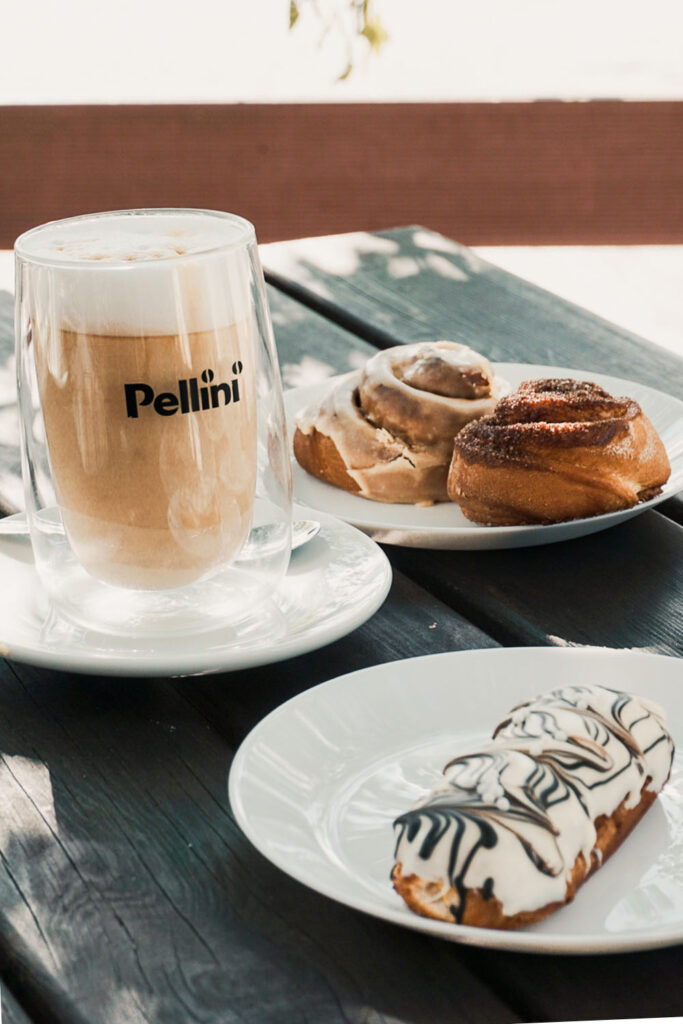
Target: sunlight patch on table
[308,371]
[12,489]
[9,426]
[339,255]
[444,268]
[28,825]
[402,266]
[20,776]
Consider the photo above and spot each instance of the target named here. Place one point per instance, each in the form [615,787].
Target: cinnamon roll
[386,432]
[556,450]
[519,825]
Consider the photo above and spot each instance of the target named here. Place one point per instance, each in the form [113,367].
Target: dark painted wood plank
[10,464]
[619,588]
[409,284]
[311,347]
[672,509]
[135,891]
[489,173]
[622,587]
[122,848]
[144,895]
[411,623]
[10,1010]
[587,987]
[25,976]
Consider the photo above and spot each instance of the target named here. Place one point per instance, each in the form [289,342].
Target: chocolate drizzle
[556,764]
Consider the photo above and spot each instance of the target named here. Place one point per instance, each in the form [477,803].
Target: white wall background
[132,51]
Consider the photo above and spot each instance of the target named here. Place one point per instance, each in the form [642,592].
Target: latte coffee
[144,353]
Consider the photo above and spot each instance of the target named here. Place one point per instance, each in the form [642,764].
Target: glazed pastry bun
[386,432]
[556,450]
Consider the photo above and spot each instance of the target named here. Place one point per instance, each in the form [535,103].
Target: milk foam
[139,274]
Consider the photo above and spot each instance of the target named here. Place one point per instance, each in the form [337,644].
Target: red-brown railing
[508,173]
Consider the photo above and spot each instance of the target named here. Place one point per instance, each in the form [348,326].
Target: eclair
[517,827]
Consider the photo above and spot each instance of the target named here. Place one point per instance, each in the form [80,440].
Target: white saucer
[354,753]
[443,526]
[333,584]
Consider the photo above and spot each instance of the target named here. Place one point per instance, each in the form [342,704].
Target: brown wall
[515,173]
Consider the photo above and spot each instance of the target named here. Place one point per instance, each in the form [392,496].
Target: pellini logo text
[192,396]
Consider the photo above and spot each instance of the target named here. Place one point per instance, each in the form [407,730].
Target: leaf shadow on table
[10,461]
[311,349]
[134,889]
[139,898]
[411,284]
[135,895]
[124,870]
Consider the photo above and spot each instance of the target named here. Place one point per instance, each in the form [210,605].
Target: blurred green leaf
[351,20]
[375,34]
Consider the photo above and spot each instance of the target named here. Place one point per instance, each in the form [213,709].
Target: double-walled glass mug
[155,460]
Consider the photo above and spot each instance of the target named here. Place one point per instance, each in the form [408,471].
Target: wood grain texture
[36,990]
[586,987]
[10,462]
[132,886]
[488,173]
[410,284]
[619,588]
[137,896]
[10,1010]
[411,623]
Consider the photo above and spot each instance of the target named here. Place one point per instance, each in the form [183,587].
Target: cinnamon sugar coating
[555,450]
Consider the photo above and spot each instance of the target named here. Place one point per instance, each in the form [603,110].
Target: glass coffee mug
[155,459]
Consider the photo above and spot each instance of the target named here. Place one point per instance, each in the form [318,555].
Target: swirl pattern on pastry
[556,450]
[386,432]
[516,827]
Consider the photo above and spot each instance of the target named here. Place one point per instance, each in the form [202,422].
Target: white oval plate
[317,784]
[333,584]
[443,526]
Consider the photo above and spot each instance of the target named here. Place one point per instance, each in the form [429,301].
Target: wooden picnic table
[127,891]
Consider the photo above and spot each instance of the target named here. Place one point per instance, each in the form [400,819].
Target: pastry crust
[429,900]
[318,455]
[556,450]
[386,432]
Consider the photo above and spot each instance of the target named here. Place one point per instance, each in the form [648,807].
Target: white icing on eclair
[511,819]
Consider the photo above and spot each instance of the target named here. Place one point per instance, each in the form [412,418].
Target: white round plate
[333,584]
[443,526]
[317,784]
